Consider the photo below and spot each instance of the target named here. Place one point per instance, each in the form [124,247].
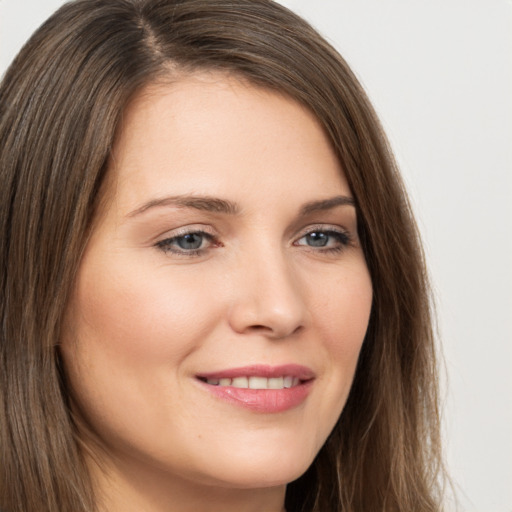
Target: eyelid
[188,229]
[324,228]
[164,242]
[328,229]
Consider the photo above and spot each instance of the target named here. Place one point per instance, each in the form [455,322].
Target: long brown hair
[60,104]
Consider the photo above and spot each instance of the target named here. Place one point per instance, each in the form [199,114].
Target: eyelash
[342,237]
[167,244]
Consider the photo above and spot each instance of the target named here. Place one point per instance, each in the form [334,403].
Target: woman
[215,297]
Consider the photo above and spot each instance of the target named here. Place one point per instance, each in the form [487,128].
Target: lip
[260,370]
[266,401]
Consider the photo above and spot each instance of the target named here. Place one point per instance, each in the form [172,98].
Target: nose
[268,299]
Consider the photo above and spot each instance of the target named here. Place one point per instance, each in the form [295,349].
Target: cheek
[126,341]
[129,334]
[342,315]
[344,309]
[137,315]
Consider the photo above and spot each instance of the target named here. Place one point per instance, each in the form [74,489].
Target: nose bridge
[269,297]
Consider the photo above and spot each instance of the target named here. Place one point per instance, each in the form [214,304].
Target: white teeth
[240,382]
[276,383]
[257,382]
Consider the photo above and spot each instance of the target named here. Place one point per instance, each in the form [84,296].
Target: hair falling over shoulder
[60,104]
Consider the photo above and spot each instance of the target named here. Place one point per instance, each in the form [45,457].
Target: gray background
[440,76]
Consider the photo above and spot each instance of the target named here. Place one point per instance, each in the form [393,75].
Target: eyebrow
[216,205]
[205,203]
[326,204]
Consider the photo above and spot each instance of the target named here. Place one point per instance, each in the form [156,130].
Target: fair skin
[228,240]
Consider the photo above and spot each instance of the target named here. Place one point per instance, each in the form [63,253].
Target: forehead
[212,134]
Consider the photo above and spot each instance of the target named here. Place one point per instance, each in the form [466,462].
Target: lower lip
[262,400]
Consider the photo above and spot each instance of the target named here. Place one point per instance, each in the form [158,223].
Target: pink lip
[262,400]
[259,370]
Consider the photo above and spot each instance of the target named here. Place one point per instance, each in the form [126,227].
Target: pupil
[191,241]
[317,239]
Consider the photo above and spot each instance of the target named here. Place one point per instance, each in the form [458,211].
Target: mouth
[255,382]
[261,388]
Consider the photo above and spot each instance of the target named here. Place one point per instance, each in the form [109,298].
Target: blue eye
[192,243]
[317,239]
[325,239]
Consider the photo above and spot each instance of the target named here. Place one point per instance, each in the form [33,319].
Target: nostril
[276,331]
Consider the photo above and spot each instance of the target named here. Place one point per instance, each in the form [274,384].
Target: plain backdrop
[440,76]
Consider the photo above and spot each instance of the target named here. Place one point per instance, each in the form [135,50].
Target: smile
[257,382]
[260,388]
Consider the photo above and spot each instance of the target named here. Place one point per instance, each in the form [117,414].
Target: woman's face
[226,258]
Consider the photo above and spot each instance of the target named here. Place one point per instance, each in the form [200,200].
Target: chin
[252,470]
[259,478]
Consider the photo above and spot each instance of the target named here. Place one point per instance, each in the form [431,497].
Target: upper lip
[260,370]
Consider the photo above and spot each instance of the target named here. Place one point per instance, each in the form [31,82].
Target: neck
[131,489]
